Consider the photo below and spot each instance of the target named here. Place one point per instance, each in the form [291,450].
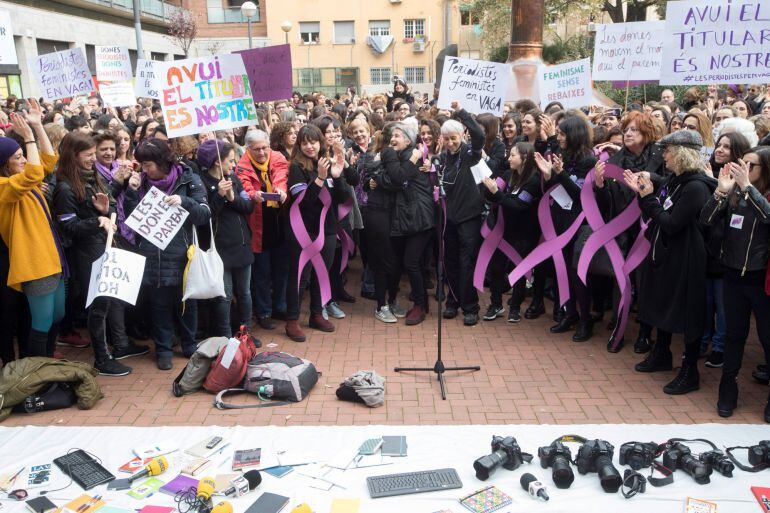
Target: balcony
[152,10]
[219,14]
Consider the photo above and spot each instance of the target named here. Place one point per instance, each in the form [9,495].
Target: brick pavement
[527,376]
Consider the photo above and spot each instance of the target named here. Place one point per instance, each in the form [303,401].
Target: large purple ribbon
[348,245]
[311,249]
[493,240]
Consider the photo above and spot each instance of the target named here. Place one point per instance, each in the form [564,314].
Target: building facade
[222,28]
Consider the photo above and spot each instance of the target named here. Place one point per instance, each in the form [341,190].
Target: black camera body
[558,456]
[679,456]
[718,461]
[505,452]
[596,456]
[760,454]
[637,455]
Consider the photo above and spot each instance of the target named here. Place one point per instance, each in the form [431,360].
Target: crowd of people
[389,176]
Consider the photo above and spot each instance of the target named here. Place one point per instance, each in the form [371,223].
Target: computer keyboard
[83,469]
[413,482]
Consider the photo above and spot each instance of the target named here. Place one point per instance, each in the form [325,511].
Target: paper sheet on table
[481,171]
[561,197]
[345,505]
[352,460]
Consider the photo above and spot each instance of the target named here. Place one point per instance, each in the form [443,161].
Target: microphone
[205,488]
[244,484]
[222,507]
[534,487]
[153,468]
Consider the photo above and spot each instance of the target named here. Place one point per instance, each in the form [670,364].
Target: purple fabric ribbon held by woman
[348,245]
[311,249]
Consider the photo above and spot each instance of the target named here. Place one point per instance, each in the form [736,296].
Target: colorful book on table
[763,496]
[486,500]
[178,484]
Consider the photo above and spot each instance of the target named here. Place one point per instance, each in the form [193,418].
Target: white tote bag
[204,273]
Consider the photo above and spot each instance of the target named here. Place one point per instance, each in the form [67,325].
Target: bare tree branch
[183,29]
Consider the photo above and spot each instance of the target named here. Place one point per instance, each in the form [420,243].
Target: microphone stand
[439,368]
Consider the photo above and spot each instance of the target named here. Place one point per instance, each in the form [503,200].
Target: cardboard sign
[568,83]
[7,46]
[623,51]
[156,221]
[269,71]
[117,94]
[146,85]
[113,64]
[117,274]
[205,94]
[479,86]
[716,42]
[62,74]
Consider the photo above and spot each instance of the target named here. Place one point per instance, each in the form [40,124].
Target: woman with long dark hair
[510,130]
[283,137]
[494,149]
[540,131]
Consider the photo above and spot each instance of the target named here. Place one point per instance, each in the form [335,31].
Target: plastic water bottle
[266,390]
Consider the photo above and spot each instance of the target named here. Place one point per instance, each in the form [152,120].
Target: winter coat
[571,178]
[464,199]
[230,220]
[413,207]
[497,159]
[311,205]
[522,229]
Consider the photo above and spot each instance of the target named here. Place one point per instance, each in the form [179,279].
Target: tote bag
[204,273]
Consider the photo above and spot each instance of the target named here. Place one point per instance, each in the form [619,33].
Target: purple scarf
[107,173]
[165,184]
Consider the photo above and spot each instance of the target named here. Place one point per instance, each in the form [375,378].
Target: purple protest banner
[269,71]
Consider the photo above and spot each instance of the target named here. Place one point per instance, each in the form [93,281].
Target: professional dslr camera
[679,456]
[716,460]
[505,452]
[637,455]
[596,456]
[760,454]
[558,456]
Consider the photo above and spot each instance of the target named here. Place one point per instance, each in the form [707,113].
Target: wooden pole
[628,83]
[110,233]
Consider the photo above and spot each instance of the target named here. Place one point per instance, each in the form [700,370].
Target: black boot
[566,324]
[37,343]
[642,344]
[728,396]
[658,359]
[688,380]
[97,328]
[535,310]
[584,331]
[50,344]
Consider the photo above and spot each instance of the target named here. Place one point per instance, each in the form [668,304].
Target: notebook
[179,483]
[486,500]
[763,497]
[147,488]
[83,504]
[345,505]
[245,458]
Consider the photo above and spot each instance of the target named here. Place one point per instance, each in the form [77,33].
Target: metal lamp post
[249,10]
[286,27]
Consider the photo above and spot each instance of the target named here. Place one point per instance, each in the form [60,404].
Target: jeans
[237,282]
[269,275]
[104,313]
[461,249]
[294,290]
[715,299]
[166,307]
[382,263]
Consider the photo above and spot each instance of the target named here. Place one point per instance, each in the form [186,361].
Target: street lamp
[249,10]
[286,27]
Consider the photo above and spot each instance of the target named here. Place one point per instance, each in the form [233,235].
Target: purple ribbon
[311,249]
[348,245]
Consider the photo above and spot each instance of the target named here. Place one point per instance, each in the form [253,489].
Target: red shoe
[294,332]
[73,339]
[317,322]
[415,315]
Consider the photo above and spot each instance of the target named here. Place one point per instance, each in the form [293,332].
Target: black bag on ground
[55,396]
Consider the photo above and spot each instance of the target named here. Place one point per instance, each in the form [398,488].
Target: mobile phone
[614,112]
[271,196]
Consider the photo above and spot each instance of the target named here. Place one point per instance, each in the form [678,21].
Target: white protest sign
[478,86]
[117,94]
[205,94]
[113,64]
[156,221]
[628,51]
[145,85]
[568,84]
[7,46]
[117,274]
[716,42]
[62,74]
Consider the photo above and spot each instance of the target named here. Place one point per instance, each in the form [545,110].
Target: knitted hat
[8,147]
[687,138]
[409,130]
[207,152]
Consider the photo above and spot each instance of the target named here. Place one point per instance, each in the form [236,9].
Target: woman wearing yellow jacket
[37,264]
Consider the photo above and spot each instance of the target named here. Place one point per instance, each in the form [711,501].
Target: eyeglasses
[631,130]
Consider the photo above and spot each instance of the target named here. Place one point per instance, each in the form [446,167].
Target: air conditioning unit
[395,1]
[418,46]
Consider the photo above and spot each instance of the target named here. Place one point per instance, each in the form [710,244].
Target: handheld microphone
[222,507]
[205,488]
[535,488]
[244,484]
[156,466]
[302,508]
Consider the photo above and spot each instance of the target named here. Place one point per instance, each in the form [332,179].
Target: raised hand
[740,172]
[21,127]
[135,181]
[338,165]
[323,167]
[544,165]
[34,115]
[547,127]
[645,185]
[632,180]
[558,164]
[599,174]
[491,185]
[101,202]
[726,180]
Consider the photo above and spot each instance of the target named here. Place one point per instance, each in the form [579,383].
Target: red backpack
[221,377]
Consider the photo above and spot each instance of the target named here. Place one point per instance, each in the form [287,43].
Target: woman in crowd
[675,123]
[511,128]
[540,131]
[283,137]
[124,150]
[701,124]
[742,109]
[494,149]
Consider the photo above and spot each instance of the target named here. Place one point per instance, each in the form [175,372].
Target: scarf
[264,175]
[107,172]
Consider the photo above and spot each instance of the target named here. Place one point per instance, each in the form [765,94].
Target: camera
[678,456]
[505,452]
[760,454]
[718,461]
[558,456]
[596,456]
[637,455]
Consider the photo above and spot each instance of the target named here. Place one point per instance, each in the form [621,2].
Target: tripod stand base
[439,369]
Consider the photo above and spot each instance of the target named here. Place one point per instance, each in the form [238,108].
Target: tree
[182,29]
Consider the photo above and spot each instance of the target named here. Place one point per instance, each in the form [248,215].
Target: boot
[566,324]
[535,310]
[317,322]
[728,396]
[103,361]
[50,344]
[584,331]
[294,331]
[642,344]
[415,315]
[658,359]
[37,344]
[688,380]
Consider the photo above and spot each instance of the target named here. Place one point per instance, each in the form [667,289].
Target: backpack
[230,366]
[280,376]
[191,379]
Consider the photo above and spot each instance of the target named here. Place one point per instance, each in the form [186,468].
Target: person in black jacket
[741,207]
[400,91]
[163,271]
[230,210]
[673,293]
[539,130]
[494,149]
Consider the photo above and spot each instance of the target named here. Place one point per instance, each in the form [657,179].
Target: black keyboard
[83,469]
[413,482]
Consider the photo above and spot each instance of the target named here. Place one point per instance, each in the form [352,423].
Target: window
[91,58]
[310,31]
[468,18]
[309,77]
[344,32]
[158,56]
[414,75]
[227,11]
[380,76]
[379,27]
[414,28]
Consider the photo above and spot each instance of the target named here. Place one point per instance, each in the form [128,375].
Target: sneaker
[73,339]
[325,313]
[471,319]
[164,362]
[385,315]
[397,310]
[514,316]
[129,351]
[715,360]
[112,368]
[493,312]
[334,310]
[266,323]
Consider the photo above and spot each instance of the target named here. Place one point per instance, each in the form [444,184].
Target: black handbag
[54,396]
[600,264]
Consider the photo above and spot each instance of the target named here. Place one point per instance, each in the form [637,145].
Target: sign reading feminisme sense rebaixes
[478,86]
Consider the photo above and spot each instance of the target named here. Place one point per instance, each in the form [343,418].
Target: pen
[766,503]
[87,505]
[223,448]
[13,479]
[322,479]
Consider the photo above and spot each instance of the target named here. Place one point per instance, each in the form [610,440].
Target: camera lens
[486,465]
[608,474]
[562,473]
[699,472]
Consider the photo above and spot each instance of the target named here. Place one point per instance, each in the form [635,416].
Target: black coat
[379,198]
[311,206]
[571,178]
[522,229]
[464,199]
[231,222]
[497,158]
[413,208]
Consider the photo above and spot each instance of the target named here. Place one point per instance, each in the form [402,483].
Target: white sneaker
[385,315]
[397,310]
[325,314]
[334,310]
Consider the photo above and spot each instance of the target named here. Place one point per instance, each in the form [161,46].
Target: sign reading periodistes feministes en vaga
[478,86]
[62,74]
[716,42]
[204,94]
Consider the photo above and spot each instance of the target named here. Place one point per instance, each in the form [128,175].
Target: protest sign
[205,94]
[568,84]
[716,42]
[269,71]
[156,221]
[117,274]
[478,86]
[113,64]
[7,46]
[62,74]
[623,51]
[117,94]
[146,85]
